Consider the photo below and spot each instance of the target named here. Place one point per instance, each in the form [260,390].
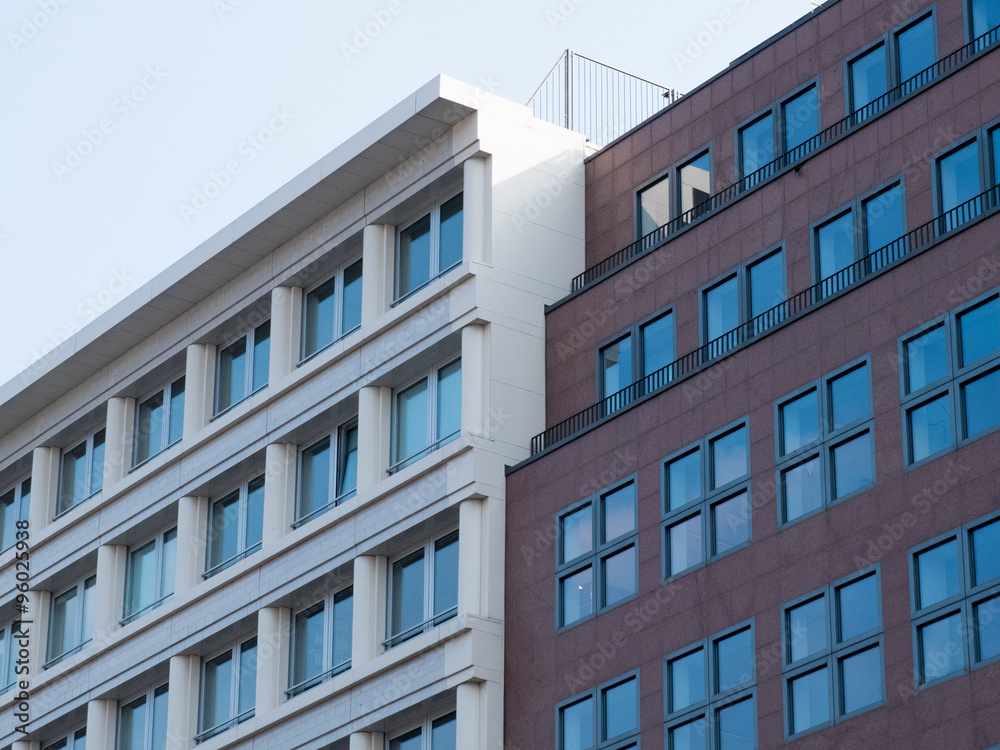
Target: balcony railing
[834,132]
[796,305]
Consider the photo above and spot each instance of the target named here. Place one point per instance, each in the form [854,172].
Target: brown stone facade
[907,506]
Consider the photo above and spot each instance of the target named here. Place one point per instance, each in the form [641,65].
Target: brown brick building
[767,509]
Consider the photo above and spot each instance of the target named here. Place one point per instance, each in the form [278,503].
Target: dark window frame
[672,173]
[638,348]
[596,694]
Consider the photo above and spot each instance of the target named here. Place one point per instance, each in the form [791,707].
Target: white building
[265,493]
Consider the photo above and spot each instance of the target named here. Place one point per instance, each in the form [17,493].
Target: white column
[182,702]
[374,435]
[199,388]
[44,488]
[192,540]
[492,556]
[273,634]
[477,206]
[110,592]
[378,269]
[369,741]
[470,538]
[369,608]
[279,490]
[467,724]
[473,379]
[39,605]
[32,745]
[101,724]
[118,439]
[286,330]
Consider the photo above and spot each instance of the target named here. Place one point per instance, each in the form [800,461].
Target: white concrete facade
[521,182]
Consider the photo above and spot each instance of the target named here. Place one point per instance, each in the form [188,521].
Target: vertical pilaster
[32,745]
[470,537]
[477,204]
[199,388]
[182,703]
[109,597]
[118,437]
[374,435]
[368,741]
[39,607]
[192,540]
[467,718]
[273,636]
[492,555]
[101,724]
[369,608]
[44,488]
[378,270]
[286,331]
[473,380]
[279,490]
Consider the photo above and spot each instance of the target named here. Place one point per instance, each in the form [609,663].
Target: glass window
[684,544]
[236,526]
[433,568]
[616,366]
[654,207]
[987,625]
[150,575]
[915,53]
[826,460]
[868,81]
[801,119]
[159,422]
[926,359]
[806,629]
[242,368]
[142,723]
[730,460]
[14,506]
[10,646]
[985,17]
[326,321]
[658,348]
[835,251]
[734,660]
[940,643]
[979,332]
[985,542]
[930,428]
[428,414]
[766,285]
[75,741]
[731,523]
[597,551]
[228,689]
[722,311]
[429,247]
[616,720]
[71,621]
[686,675]
[683,480]
[82,474]
[646,350]
[695,180]
[810,700]
[756,147]
[742,305]
[323,484]
[958,183]
[884,226]
[937,574]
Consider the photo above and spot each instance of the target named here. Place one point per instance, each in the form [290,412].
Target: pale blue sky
[170,92]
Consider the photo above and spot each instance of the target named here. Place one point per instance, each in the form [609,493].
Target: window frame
[833,653]
[20,503]
[9,648]
[435,271]
[988,178]
[829,439]
[89,442]
[715,700]
[338,442]
[168,394]
[950,386]
[339,334]
[80,588]
[970,32]
[160,540]
[435,441]
[890,43]
[742,274]
[596,694]
[599,552]
[431,619]
[251,342]
[963,604]
[242,550]
[779,133]
[236,656]
[709,498]
[634,332]
[326,606]
[672,173]
[69,741]
[148,699]
[425,730]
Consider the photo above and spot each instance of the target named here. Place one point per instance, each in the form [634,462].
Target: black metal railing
[834,132]
[792,307]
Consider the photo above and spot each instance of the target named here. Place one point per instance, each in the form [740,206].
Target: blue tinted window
[857,608]
[654,207]
[941,647]
[985,16]
[884,225]
[689,736]
[860,685]
[616,366]
[930,428]
[722,313]
[926,359]
[801,118]
[734,660]
[806,632]
[849,397]
[982,403]
[958,173]
[802,489]
[868,78]
[658,344]
[937,573]
[835,242]
[915,49]
[810,699]
[736,726]
[684,480]
[799,422]
[852,465]
[729,457]
[986,553]
[979,331]
[578,725]
[621,709]
[757,145]
[767,284]
[687,680]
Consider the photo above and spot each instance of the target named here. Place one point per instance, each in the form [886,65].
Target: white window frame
[434,441]
[435,271]
[88,442]
[251,337]
[236,655]
[147,699]
[242,551]
[339,332]
[327,605]
[338,445]
[128,613]
[431,619]
[19,496]
[168,392]
[81,589]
